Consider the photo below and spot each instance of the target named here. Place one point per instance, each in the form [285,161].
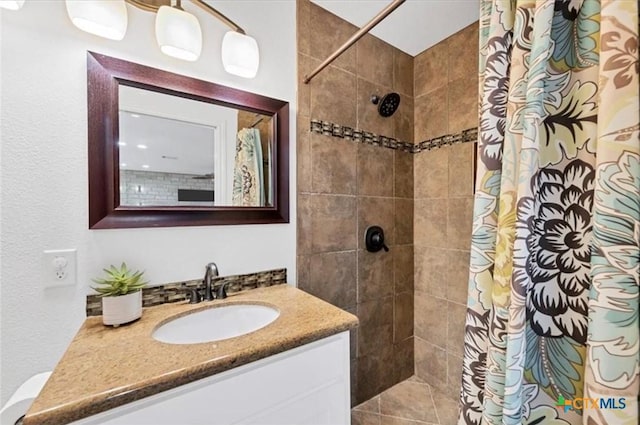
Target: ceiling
[414,26]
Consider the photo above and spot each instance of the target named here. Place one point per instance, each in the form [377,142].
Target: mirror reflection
[175,151]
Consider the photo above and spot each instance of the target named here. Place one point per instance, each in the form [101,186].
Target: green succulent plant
[119,281]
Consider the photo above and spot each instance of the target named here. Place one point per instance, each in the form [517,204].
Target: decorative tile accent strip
[177,291]
[361,136]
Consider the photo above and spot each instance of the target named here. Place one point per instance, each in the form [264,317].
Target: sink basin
[216,324]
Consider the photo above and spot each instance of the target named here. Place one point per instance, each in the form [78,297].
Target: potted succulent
[121,292]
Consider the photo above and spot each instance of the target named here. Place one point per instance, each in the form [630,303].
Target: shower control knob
[374,239]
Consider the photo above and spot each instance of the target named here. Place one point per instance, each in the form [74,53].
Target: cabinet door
[306,385]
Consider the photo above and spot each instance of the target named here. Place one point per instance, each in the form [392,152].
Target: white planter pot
[123,309]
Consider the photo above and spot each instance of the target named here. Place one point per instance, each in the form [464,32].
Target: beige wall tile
[375,171]
[403,268]
[430,319]
[461,170]
[374,373]
[456,314]
[304,224]
[376,325]
[403,221]
[374,60]
[431,171]
[332,164]
[403,120]
[303,20]
[333,223]
[374,211]
[430,223]
[306,64]
[372,405]
[403,354]
[332,277]
[403,174]
[303,152]
[463,53]
[431,271]
[430,116]
[458,281]
[403,317]
[431,69]
[328,32]
[375,275]
[454,376]
[303,266]
[459,223]
[333,96]
[402,73]
[368,117]
[463,104]
[431,363]
[364,418]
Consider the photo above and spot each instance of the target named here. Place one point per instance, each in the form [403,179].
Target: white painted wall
[43,170]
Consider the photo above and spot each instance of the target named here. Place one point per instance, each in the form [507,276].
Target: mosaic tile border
[177,291]
[360,136]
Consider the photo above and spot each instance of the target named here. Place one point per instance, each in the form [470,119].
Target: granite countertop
[107,367]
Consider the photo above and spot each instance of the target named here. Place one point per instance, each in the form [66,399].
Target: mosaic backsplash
[177,291]
[359,136]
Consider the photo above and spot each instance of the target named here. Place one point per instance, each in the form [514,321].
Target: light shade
[240,54]
[11,4]
[178,33]
[105,18]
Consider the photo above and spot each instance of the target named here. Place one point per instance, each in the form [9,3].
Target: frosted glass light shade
[240,54]
[104,18]
[11,4]
[178,33]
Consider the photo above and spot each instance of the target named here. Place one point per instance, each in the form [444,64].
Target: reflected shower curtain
[248,176]
[552,327]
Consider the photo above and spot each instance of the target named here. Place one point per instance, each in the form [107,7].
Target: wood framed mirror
[169,150]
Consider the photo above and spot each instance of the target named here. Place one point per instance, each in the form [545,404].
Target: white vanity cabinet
[305,385]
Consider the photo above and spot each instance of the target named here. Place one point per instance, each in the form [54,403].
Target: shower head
[388,104]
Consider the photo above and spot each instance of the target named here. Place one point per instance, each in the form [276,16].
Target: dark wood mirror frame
[104,75]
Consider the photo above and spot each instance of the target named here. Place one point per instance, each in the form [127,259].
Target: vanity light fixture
[178,32]
[11,4]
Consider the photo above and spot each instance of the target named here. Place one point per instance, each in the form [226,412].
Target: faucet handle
[194,296]
[221,293]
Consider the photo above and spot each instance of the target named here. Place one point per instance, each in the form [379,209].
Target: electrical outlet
[59,267]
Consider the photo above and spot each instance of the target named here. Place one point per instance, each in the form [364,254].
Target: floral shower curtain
[552,329]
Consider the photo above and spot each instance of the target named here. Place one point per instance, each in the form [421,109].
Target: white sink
[215,324]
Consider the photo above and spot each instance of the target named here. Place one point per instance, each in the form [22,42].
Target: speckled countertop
[107,367]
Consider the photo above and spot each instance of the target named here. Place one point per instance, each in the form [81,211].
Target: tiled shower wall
[446,103]
[343,187]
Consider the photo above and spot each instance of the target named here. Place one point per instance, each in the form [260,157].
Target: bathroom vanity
[295,370]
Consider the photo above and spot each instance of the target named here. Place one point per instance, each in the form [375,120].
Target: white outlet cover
[58,268]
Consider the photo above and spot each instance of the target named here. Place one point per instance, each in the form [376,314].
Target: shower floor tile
[411,402]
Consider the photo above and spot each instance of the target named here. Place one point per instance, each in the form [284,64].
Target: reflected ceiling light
[240,54]
[11,4]
[135,116]
[145,166]
[178,32]
[141,146]
[106,19]
[124,164]
[122,143]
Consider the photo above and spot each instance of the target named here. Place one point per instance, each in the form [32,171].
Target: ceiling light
[178,33]
[11,4]
[240,54]
[106,19]
[141,146]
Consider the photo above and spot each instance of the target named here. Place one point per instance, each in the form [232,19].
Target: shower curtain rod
[357,36]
